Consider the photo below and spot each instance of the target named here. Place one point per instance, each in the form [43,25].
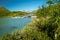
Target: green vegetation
[45,27]
[3,12]
[6,13]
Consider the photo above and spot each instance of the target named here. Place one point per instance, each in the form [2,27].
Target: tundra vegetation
[45,27]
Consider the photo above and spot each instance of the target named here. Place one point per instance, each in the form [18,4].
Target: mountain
[3,11]
[6,13]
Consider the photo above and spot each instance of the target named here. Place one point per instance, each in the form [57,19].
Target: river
[8,25]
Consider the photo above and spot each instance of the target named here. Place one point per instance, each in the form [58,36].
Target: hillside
[6,13]
[2,9]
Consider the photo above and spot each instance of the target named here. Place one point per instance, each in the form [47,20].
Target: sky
[18,5]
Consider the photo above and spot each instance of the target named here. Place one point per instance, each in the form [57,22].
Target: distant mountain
[6,13]
[20,13]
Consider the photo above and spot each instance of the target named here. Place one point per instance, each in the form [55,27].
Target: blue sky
[17,5]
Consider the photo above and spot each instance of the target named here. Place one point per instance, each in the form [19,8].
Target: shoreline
[20,17]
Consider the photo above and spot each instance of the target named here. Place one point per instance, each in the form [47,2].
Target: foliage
[47,27]
[49,21]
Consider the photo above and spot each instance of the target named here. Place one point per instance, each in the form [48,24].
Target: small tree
[49,2]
